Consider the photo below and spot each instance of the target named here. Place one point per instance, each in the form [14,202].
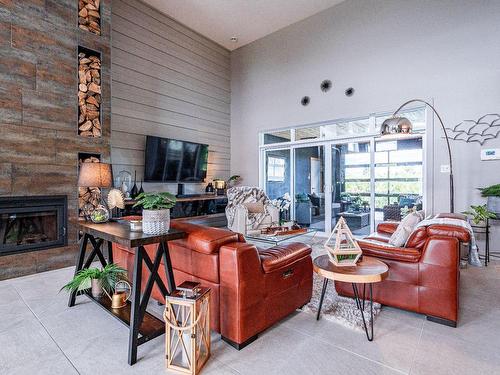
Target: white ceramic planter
[155,221]
[493,204]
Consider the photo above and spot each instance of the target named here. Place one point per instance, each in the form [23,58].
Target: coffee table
[367,271]
[276,240]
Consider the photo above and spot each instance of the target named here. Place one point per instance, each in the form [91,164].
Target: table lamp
[97,175]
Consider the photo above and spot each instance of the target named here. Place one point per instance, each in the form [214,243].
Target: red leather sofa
[251,288]
[423,275]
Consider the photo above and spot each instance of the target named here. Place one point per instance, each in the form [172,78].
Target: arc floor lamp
[398,124]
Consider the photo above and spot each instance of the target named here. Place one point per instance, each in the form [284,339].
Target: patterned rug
[341,310]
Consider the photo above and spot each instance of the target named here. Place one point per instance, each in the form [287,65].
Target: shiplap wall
[167,81]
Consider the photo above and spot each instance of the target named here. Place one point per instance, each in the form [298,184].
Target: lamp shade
[95,175]
[396,125]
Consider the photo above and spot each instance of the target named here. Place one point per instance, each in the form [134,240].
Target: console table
[142,325]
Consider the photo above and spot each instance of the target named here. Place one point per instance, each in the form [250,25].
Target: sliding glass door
[351,185]
[309,183]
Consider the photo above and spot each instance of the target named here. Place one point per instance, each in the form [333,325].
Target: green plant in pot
[492,193]
[155,211]
[97,280]
[479,214]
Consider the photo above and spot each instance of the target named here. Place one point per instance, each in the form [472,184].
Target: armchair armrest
[241,291]
[388,227]
[385,251]
[441,251]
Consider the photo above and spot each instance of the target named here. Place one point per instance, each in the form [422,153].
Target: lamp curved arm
[447,143]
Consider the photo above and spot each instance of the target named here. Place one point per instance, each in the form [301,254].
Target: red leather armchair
[251,288]
[423,275]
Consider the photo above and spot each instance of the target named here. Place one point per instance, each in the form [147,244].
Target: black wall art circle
[305,100]
[326,85]
[349,91]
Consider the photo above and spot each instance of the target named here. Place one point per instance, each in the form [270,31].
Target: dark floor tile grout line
[344,349]
[45,329]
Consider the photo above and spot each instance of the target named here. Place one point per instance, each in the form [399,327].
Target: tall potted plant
[492,193]
[155,211]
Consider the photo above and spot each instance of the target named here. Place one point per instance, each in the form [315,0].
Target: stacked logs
[89,95]
[88,197]
[88,16]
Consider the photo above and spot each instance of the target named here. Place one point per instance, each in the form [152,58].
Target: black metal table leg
[325,284]
[360,306]
[79,265]
[134,311]
[110,252]
[168,266]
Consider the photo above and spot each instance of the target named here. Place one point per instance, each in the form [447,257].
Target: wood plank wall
[167,81]
[39,112]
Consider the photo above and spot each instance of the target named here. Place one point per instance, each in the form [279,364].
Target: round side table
[367,271]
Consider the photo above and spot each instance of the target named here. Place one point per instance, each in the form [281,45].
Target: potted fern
[97,279]
[155,211]
[493,194]
[479,214]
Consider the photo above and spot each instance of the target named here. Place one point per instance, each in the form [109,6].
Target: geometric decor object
[341,247]
[481,130]
[305,100]
[187,320]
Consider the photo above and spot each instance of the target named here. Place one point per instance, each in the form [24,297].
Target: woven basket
[155,221]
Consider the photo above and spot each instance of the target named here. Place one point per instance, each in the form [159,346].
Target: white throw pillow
[404,229]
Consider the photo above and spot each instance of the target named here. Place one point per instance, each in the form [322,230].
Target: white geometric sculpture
[341,247]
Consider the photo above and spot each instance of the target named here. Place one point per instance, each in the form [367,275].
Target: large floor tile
[13,310]
[28,349]
[394,344]
[440,354]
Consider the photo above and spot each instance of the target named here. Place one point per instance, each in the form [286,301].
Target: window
[275,169]
[277,137]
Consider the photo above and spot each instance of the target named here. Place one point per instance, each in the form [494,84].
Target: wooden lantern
[341,246]
[187,320]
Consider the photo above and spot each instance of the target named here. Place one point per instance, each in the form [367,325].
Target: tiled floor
[39,334]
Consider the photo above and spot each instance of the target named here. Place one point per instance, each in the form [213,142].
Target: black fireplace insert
[32,223]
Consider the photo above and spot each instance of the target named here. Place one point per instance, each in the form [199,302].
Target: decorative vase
[96,288]
[155,221]
[134,192]
[493,204]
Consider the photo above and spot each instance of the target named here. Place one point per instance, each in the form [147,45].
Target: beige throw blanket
[473,252]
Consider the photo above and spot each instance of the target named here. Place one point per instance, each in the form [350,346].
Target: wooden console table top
[120,233]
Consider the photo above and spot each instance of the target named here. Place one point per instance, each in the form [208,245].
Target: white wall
[389,51]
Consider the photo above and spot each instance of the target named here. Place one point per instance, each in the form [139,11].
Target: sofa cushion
[405,228]
[204,239]
[281,256]
[254,207]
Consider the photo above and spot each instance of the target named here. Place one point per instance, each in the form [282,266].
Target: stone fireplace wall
[39,141]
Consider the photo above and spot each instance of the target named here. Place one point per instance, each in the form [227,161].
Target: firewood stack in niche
[88,197]
[89,95]
[88,16]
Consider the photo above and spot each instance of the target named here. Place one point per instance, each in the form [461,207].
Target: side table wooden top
[119,232]
[368,270]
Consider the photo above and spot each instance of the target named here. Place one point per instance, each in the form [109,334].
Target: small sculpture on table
[341,247]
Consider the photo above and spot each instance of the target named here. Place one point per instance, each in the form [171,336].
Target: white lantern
[187,319]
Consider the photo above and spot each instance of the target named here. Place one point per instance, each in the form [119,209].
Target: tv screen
[170,160]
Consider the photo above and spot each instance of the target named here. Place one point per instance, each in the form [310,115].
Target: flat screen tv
[171,160]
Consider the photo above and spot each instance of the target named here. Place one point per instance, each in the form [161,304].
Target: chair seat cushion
[281,256]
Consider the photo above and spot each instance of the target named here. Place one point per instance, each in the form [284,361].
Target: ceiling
[248,20]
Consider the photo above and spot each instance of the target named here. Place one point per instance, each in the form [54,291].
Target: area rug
[337,309]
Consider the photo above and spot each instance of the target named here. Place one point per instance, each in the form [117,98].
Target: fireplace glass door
[32,227]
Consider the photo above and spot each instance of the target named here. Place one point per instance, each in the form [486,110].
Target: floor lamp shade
[95,175]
